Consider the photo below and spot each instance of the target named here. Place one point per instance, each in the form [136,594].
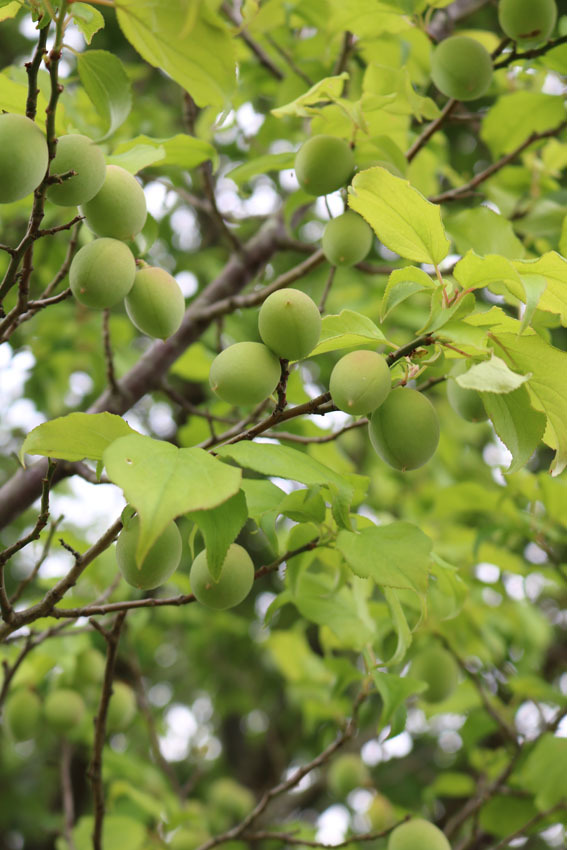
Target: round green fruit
[417,833]
[102,273]
[24,157]
[235,582]
[245,373]
[159,564]
[64,709]
[290,323]
[121,708]
[323,164]
[77,153]
[347,239]
[155,304]
[527,21]
[439,670]
[380,813]
[360,382]
[22,714]
[404,431]
[189,839]
[90,667]
[230,798]
[466,403]
[118,209]
[461,68]
[346,773]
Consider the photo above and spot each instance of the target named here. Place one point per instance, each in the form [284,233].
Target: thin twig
[289,60]
[431,129]
[258,51]
[32,69]
[46,547]
[327,289]
[325,438]
[533,53]
[352,840]
[67,792]
[108,358]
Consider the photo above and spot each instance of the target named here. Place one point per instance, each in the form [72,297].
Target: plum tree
[160,562]
[417,833]
[102,273]
[118,209]
[323,164]
[77,153]
[527,21]
[439,670]
[24,157]
[22,714]
[290,323]
[360,382]
[347,239]
[234,584]
[121,708]
[461,68]
[63,709]
[466,403]
[245,373]
[404,430]
[346,773]
[155,304]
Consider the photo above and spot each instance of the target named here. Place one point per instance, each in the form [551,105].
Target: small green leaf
[75,436]
[304,505]
[518,425]
[403,220]
[9,9]
[400,624]
[474,272]
[491,376]
[107,85]
[347,329]
[402,284]
[307,104]
[261,165]
[181,150]
[553,269]
[220,526]
[137,158]
[394,691]
[88,19]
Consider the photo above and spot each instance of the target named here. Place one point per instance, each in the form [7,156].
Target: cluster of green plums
[103,273]
[461,66]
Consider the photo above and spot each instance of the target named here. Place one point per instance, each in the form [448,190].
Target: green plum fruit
[347,239]
[245,373]
[346,773]
[89,669]
[77,153]
[323,164]
[235,582]
[417,833]
[102,273]
[189,839]
[231,799]
[22,714]
[527,21]
[439,670]
[155,304]
[466,403]
[404,430]
[159,564]
[380,813]
[290,323]
[64,709]
[118,209]
[461,68]
[121,708]
[24,157]
[360,382]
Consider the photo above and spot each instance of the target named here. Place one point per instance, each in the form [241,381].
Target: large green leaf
[544,771]
[181,150]
[518,425]
[75,436]
[220,527]
[107,85]
[515,116]
[485,232]
[491,376]
[401,217]
[162,482]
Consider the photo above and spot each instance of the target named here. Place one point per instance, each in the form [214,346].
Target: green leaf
[107,85]
[484,232]
[118,833]
[162,482]
[474,272]
[304,505]
[553,268]
[394,691]
[403,220]
[544,771]
[261,165]
[137,158]
[75,436]
[402,284]
[220,527]
[307,104]
[88,19]
[518,425]
[400,624]
[491,376]
[516,116]
[446,592]
[9,9]
[181,150]
[190,43]
[13,97]
[395,555]
[347,329]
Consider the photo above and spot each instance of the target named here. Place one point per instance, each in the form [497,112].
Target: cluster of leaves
[360,568]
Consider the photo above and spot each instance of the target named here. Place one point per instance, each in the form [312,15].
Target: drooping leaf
[220,526]
[518,425]
[88,19]
[544,771]
[107,85]
[394,691]
[402,284]
[181,150]
[75,436]
[491,376]
[329,88]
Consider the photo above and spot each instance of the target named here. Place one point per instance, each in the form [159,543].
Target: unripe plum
[159,564]
[64,709]
[235,582]
[380,813]
[290,323]
[346,773]
[118,209]
[360,382]
[155,304]
[461,67]
[22,713]
[77,153]
[466,403]
[245,373]
[90,667]
[24,157]
[230,798]
[102,273]
[404,430]
[323,164]
[347,239]
[121,708]
[439,669]
[527,21]
[417,833]
[189,839]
